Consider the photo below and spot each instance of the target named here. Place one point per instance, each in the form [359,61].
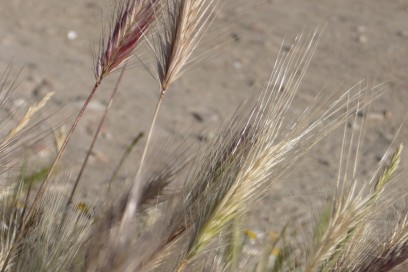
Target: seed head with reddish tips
[131,24]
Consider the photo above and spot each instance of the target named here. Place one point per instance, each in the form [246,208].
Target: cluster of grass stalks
[188,215]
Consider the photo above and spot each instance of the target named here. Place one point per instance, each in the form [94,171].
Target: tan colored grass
[45,247]
[254,150]
[272,150]
[345,228]
[32,110]
[185,22]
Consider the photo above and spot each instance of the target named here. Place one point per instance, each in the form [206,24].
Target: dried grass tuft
[197,224]
[254,150]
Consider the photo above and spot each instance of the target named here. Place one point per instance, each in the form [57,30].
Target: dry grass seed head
[272,149]
[379,242]
[132,21]
[253,151]
[26,118]
[344,230]
[184,23]
[15,138]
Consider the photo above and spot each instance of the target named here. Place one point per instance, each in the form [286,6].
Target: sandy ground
[365,39]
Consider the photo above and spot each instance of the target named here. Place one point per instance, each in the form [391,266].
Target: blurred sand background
[365,39]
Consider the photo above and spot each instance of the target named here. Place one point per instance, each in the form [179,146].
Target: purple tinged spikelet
[132,22]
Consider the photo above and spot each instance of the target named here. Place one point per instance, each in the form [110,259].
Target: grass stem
[90,149]
[134,193]
[44,184]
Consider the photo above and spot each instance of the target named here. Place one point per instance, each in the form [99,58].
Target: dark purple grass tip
[132,23]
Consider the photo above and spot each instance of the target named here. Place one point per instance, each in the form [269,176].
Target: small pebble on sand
[72,35]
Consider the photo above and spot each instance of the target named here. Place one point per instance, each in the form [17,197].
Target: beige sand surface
[365,39]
